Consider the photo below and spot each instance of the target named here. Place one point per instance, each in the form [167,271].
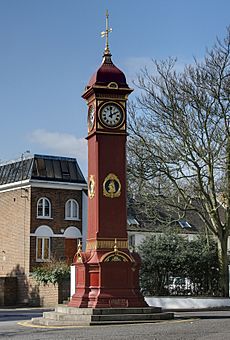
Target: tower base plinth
[107,280]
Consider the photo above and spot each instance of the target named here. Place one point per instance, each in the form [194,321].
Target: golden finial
[79,251]
[115,246]
[106,33]
[79,247]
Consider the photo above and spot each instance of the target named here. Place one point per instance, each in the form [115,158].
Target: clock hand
[114,113]
[110,112]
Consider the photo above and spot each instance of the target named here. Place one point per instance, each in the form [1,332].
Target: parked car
[180,286]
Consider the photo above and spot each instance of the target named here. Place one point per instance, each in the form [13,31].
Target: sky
[50,48]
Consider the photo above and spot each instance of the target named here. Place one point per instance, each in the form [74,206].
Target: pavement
[19,313]
[24,310]
[27,313]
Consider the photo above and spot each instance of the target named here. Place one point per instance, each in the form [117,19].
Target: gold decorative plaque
[91,186]
[116,258]
[105,244]
[111,186]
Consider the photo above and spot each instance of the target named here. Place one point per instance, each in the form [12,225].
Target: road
[213,325]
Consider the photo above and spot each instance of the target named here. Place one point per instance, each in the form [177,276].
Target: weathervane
[106,33]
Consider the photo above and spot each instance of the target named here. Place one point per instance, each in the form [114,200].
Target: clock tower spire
[107,273]
[106,34]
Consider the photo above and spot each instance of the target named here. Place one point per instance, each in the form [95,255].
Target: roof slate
[162,220]
[42,167]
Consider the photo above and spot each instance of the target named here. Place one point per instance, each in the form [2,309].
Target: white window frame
[44,200]
[71,217]
[42,259]
[132,240]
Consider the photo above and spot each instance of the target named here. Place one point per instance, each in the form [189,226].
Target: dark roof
[41,167]
[162,220]
[184,226]
[108,73]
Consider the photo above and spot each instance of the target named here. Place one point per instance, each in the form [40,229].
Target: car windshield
[179,281]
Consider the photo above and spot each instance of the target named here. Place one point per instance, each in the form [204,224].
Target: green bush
[169,255]
[52,272]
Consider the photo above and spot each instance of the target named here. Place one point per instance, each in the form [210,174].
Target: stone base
[72,316]
[107,279]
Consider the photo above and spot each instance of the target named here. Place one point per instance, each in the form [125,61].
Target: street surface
[214,325]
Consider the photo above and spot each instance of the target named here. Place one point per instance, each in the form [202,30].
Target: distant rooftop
[42,167]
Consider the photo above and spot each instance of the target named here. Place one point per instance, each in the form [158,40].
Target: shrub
[52,272]
[170,255]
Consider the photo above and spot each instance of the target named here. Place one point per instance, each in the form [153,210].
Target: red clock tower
[107,274]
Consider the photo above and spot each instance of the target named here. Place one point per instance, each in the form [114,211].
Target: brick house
[43,205]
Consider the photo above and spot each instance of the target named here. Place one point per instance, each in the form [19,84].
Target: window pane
[47,207]
[41,168]
[74,210]
[46,248]
[49,168]
[39,248]
[40,207]
[68,209]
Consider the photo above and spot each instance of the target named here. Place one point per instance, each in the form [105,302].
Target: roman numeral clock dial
[111,115]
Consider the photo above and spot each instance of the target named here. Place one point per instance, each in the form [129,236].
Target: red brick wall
[58,198]
[57,250]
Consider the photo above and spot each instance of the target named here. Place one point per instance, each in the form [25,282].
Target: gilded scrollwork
[111,186]
[91,186]
[105,244]
[78,257]
[116,255]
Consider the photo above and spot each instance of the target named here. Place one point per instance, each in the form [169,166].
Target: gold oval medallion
[111,186]
[91,186]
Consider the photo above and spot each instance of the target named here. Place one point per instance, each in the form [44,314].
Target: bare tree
[179,144]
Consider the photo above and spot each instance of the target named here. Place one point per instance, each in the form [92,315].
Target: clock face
[91,115]
[111,115]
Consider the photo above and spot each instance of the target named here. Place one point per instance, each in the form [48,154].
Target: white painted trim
[71,201]
[44,231]
[42,238]
[72,280]
[15,185]
[73,219]
[54,235]
[84,219]
[180,302]
[42,184]
[44,199]
[57,185]
[72,232]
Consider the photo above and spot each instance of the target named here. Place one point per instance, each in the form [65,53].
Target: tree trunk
[223,262]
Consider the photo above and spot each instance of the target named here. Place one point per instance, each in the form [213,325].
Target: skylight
[184,224]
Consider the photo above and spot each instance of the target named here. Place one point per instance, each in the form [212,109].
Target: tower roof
[108,73]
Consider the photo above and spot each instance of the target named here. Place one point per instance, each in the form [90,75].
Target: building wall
[18,219]
[135,238]
[58,198]
[48,295]
[57,222]
[43,296]
[15,236]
